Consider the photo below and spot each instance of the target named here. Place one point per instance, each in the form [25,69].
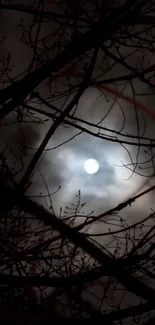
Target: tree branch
[58,121]
[128,281]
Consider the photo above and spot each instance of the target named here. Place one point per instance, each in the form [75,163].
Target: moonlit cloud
[64,166]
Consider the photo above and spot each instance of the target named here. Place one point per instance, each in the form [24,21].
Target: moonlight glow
[91,166]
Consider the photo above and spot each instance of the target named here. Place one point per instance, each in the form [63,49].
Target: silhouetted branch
[127,280]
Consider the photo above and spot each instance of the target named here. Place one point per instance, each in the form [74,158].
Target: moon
[91,166]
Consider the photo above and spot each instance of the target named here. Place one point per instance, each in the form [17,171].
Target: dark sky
[64,165]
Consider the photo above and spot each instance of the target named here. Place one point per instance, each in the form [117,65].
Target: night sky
[63,165]
[127,108]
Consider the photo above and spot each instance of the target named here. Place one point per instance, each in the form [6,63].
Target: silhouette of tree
[52,267]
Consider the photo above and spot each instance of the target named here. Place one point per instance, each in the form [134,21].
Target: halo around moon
[91,166]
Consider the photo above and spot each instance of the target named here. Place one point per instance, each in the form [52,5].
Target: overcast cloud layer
[63,166]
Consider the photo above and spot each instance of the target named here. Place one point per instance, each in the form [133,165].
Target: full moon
[91,166]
